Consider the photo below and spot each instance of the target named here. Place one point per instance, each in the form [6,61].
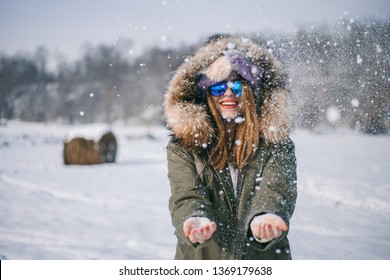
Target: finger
[254,227]
[193,237]
[205,231]
[262,234]
[187,227]
[277,231]
[200,236]
[282,225]
[213,227]
[257,231]
[269,233]
[202,232]
[209,231]
[186,231]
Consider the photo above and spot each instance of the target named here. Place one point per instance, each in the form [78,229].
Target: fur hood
[186,112]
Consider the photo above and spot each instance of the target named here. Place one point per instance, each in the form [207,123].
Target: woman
[231,164]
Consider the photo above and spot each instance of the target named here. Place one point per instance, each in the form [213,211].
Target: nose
[228,92]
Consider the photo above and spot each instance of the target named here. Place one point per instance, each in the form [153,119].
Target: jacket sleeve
[277,191]
[189,196]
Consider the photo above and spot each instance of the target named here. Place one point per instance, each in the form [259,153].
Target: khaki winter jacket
[267,184]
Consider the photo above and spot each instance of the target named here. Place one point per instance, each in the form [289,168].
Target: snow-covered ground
[120,210]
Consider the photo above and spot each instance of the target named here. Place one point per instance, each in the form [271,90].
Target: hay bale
[90,149]
[81,151]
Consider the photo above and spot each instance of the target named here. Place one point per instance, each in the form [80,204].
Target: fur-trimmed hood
[186,112]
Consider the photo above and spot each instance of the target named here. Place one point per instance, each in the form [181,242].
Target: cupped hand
[199,229]
[267,227]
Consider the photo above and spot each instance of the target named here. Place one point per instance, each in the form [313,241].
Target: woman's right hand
[199,229]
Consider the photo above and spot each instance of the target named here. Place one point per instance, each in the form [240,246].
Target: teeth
[229,103]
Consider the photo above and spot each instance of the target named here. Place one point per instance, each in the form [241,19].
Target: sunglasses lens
[220,89]
[236,87]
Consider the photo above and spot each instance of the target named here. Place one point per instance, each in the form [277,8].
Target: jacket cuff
[263,246]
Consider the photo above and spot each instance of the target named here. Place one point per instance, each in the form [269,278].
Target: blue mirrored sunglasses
[220,88]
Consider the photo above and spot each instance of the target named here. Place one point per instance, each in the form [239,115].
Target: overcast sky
[65,26]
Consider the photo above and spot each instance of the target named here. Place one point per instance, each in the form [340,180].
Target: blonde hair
[247,134]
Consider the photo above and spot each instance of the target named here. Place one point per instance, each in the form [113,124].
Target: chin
[230,116]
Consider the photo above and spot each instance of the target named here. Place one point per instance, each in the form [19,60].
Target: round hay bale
[99,146]
[81,151]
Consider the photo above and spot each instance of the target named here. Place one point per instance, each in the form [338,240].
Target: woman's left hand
[267,227]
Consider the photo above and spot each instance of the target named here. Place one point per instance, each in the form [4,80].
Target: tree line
[339,75]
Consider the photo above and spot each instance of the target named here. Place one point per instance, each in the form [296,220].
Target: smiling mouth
[228,104]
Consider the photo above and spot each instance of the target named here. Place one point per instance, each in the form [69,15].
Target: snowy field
[120,210]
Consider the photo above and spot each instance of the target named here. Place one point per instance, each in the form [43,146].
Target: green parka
[267,184]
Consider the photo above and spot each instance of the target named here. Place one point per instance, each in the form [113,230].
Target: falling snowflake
[332,114]
[359,59]
[355,103]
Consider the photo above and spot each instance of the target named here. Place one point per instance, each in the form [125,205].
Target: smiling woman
[231,164]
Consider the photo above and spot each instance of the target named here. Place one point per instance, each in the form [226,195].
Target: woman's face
[229,104]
